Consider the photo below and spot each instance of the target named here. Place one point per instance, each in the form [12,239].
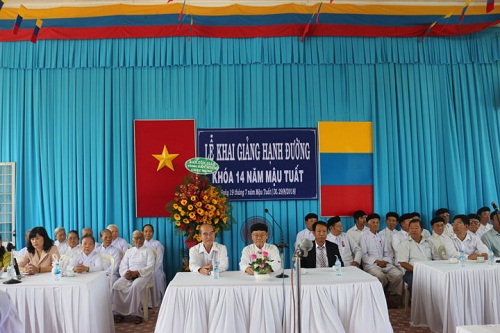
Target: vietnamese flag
[162,147]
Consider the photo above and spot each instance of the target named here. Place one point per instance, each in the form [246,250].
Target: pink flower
[265,254]
[261,265]
[253,256]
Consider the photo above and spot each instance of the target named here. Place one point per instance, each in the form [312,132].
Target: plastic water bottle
[215,272]
[462,258]
[338,267]
[10,272]
[491,257]
[57,272]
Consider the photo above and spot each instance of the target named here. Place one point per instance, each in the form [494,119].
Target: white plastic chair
[64,261]
[108,260]
[150,286]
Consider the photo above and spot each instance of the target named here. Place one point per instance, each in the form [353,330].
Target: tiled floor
[399,319]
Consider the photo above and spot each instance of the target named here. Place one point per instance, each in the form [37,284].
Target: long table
[74,304]
[236,302]
[446,295]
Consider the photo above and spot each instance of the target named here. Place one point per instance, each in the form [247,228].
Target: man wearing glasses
[201,255]
[462,241]
[259,246]
[136,269]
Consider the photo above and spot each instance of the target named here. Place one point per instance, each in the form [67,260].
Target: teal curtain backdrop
[67,111]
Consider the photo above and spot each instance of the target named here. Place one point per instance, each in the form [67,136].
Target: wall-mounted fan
[246,234]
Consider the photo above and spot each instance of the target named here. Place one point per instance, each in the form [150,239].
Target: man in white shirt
[462,241]
[415,248]
[88,260]
[474,225]
[349,250]
[202,255]
[391,221]
[117,241]
[107,248]
[401,235]
[376,258]
[73,247]
[492,237]
[438,238]
[445,214]
[425,232]
[309,220]
[136,268]
[259,238]
[484,214]
[359,229]
[89,231]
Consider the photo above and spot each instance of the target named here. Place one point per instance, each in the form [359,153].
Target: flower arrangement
[197,201]
[260,262]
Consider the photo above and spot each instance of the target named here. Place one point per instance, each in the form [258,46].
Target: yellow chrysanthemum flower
[199,204]
[184,202]
[176,206]
[177,223]
[200,211]
[193,198]
[177,217]
[185,221]
[190,207]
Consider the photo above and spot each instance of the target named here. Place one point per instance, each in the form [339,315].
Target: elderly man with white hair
[136,269]
[118,242]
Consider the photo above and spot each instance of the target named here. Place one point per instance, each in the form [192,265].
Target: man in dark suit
[323,252]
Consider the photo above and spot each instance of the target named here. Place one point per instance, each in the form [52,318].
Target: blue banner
[262,164]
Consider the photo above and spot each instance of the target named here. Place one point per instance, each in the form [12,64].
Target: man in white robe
[136,268]
[259,238]
[107,248]
[88,260]
[201,255]
[117,241]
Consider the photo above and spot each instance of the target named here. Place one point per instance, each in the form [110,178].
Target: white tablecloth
[478,329]
[353,302]
[446,295]
[75,304]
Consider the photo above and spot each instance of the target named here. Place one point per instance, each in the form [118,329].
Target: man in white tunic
[359,229]
[259,238]
[136,268]
[88,260]
[391,221]
[462,241]
[350,252]
[201,255]
[492,238]
[73,247]
[438,238]
[484,219]
[107,248]
[118,242]
[309,220]
[445,214]
[160,279]
[377,260]
[60,242]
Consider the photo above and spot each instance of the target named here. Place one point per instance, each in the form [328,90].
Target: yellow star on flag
[165,159]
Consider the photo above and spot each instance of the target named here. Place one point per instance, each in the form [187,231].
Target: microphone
[282,244]
[494,204]
[304,247]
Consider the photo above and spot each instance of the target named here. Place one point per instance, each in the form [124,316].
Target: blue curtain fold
[67,111]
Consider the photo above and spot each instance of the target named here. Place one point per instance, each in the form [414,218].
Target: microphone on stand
[304,247]
[281,246]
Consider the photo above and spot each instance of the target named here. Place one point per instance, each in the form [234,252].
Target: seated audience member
[349,250]
[438,238]
[88,260]
[474,225]
[425,232]
[107,248]
[9,319]
[484,220]
[462,241]
[359,229]
[5,257]
[136,269]
[401,235]
[201,255]
[259,238]
[40,252]
[492,237]
[391,221]
[160,279]
[73,247]
[89,231]
[445,214]
[309,220]
[324,253]
[60,242]
[117,241]
[415,248]
[23,251]
[376,258]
